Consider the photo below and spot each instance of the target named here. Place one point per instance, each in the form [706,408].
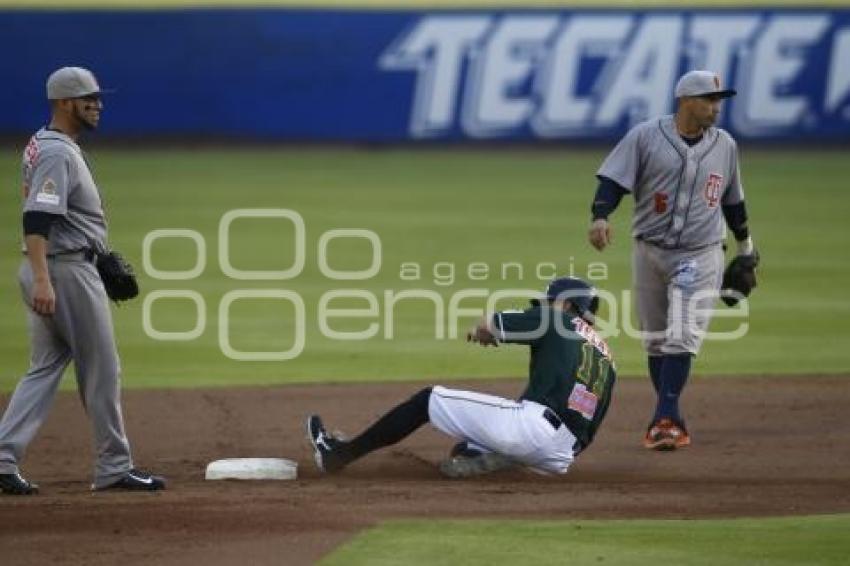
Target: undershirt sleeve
[608,197]
[38,222]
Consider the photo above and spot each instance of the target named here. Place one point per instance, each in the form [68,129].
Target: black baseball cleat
[478,464]
[324,445]
[462,448]
[136,480]
[16,484]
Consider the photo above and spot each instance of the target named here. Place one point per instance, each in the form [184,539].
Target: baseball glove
[117,276]
[739,278]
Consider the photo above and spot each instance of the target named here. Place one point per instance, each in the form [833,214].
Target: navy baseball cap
[578,292]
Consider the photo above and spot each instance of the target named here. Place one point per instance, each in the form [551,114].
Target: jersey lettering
[593,369]
[712,189]
[30,156]
[587,332]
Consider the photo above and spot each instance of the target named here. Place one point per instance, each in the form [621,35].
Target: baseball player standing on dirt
[570,383]
[685,178]
[69,317]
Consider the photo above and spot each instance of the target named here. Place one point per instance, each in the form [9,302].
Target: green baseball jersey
[570,368]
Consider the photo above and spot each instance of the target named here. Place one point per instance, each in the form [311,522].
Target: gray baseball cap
[701,83]
[72,82]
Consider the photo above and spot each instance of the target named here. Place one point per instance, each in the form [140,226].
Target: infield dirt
[762,446]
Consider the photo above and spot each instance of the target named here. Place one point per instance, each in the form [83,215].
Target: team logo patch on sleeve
[582,401]
[47,193]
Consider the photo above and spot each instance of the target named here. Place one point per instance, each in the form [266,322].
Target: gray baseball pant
[80,330]
[675,293]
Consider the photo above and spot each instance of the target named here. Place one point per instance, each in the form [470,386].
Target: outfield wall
[331,75]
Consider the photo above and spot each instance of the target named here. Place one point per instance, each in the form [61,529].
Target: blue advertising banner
[422,75]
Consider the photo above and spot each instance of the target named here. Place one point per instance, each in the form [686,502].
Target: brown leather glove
[739,277]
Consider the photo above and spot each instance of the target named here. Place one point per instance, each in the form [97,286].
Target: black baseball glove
[739,278]
[118,276]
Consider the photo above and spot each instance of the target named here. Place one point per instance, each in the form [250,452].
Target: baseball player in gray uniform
[69,317]
[685,178]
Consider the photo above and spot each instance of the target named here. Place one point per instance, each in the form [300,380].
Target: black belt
[553,419]
[85,254]
[557,423]
[663,247]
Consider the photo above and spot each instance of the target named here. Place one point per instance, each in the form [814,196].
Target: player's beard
[83,120]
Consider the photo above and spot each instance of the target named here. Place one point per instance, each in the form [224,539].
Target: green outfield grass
[820,540]
[457,206]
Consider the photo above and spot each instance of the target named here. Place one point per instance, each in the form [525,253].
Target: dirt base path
[761,447]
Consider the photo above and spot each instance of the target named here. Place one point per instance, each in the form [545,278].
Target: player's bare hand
[600,234]
[43,297]
[481,336]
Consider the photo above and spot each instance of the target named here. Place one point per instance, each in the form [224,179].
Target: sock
[655,371]
[674,373]
[397,424]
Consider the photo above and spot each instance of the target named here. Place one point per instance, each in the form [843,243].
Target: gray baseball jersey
[57,180]
[677,189]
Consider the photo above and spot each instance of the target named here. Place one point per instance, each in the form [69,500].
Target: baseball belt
[557,423]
